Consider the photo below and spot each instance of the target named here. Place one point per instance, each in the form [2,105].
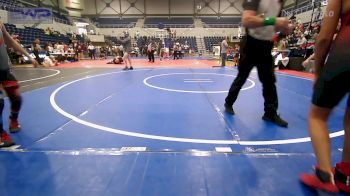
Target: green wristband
[268,21]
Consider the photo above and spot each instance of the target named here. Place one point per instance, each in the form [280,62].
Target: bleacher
[191,41]
[112,39]
[168,23]
[169,43]
[8,5]
[62,19]
[210,41]
[28,35]
[115,22]
[144,41]
[80,38]
[300,8]
[212,22]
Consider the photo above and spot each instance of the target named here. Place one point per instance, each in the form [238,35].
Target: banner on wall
[31,16]
[75,4]
[96,38]
[4,16]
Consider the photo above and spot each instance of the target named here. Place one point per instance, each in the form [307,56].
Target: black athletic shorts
[7,79]
[329,91]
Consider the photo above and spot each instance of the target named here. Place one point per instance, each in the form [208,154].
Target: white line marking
[133,149]
[223,149]
[193,79]
[198,81]
[33,79]
[11,148]
[82,114]
[105,99]
[186,91]
[165,138]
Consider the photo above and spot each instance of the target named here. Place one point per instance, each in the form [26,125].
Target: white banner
[30,15]
[96,38]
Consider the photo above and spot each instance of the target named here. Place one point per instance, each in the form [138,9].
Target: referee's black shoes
[229,109]
[275,119]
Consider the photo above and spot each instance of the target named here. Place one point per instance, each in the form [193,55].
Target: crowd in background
[54,53]
[51,54]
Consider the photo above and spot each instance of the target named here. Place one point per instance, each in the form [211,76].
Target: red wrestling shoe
[5,140]
[14,126]
[321,180]
[342,176]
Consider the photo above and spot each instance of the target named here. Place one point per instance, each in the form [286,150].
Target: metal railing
[131,25]
[221,25]
[296,11]
[59,20]
[304,7]
[169,25]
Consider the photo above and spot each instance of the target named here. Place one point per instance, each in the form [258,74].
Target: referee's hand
[282,24]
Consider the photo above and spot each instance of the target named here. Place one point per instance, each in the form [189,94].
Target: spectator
[36,50]
[92,51]
[224,47]
[150,51]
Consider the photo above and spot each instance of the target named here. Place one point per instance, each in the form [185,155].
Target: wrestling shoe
[229,109]
[275,119]
[342,176]
[14,126]
[5,140]
[320,181]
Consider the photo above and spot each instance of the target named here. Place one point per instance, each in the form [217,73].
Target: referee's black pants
[257,53]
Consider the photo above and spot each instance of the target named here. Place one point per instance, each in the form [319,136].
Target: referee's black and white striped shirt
[263,8]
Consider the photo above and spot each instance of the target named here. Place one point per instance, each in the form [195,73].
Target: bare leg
[129,60]
[319,135]
[126,60]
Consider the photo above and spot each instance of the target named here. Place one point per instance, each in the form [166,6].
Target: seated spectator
[47,31]
[103,53]
[302,42]
[186,46]
[282,45]
[59,48]
[282,60]
[36,48]
[49,61]
[49,47]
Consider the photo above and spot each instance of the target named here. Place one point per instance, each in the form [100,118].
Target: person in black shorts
[331,85]
[10,84]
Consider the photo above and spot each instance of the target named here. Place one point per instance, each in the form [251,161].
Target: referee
[260,18]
